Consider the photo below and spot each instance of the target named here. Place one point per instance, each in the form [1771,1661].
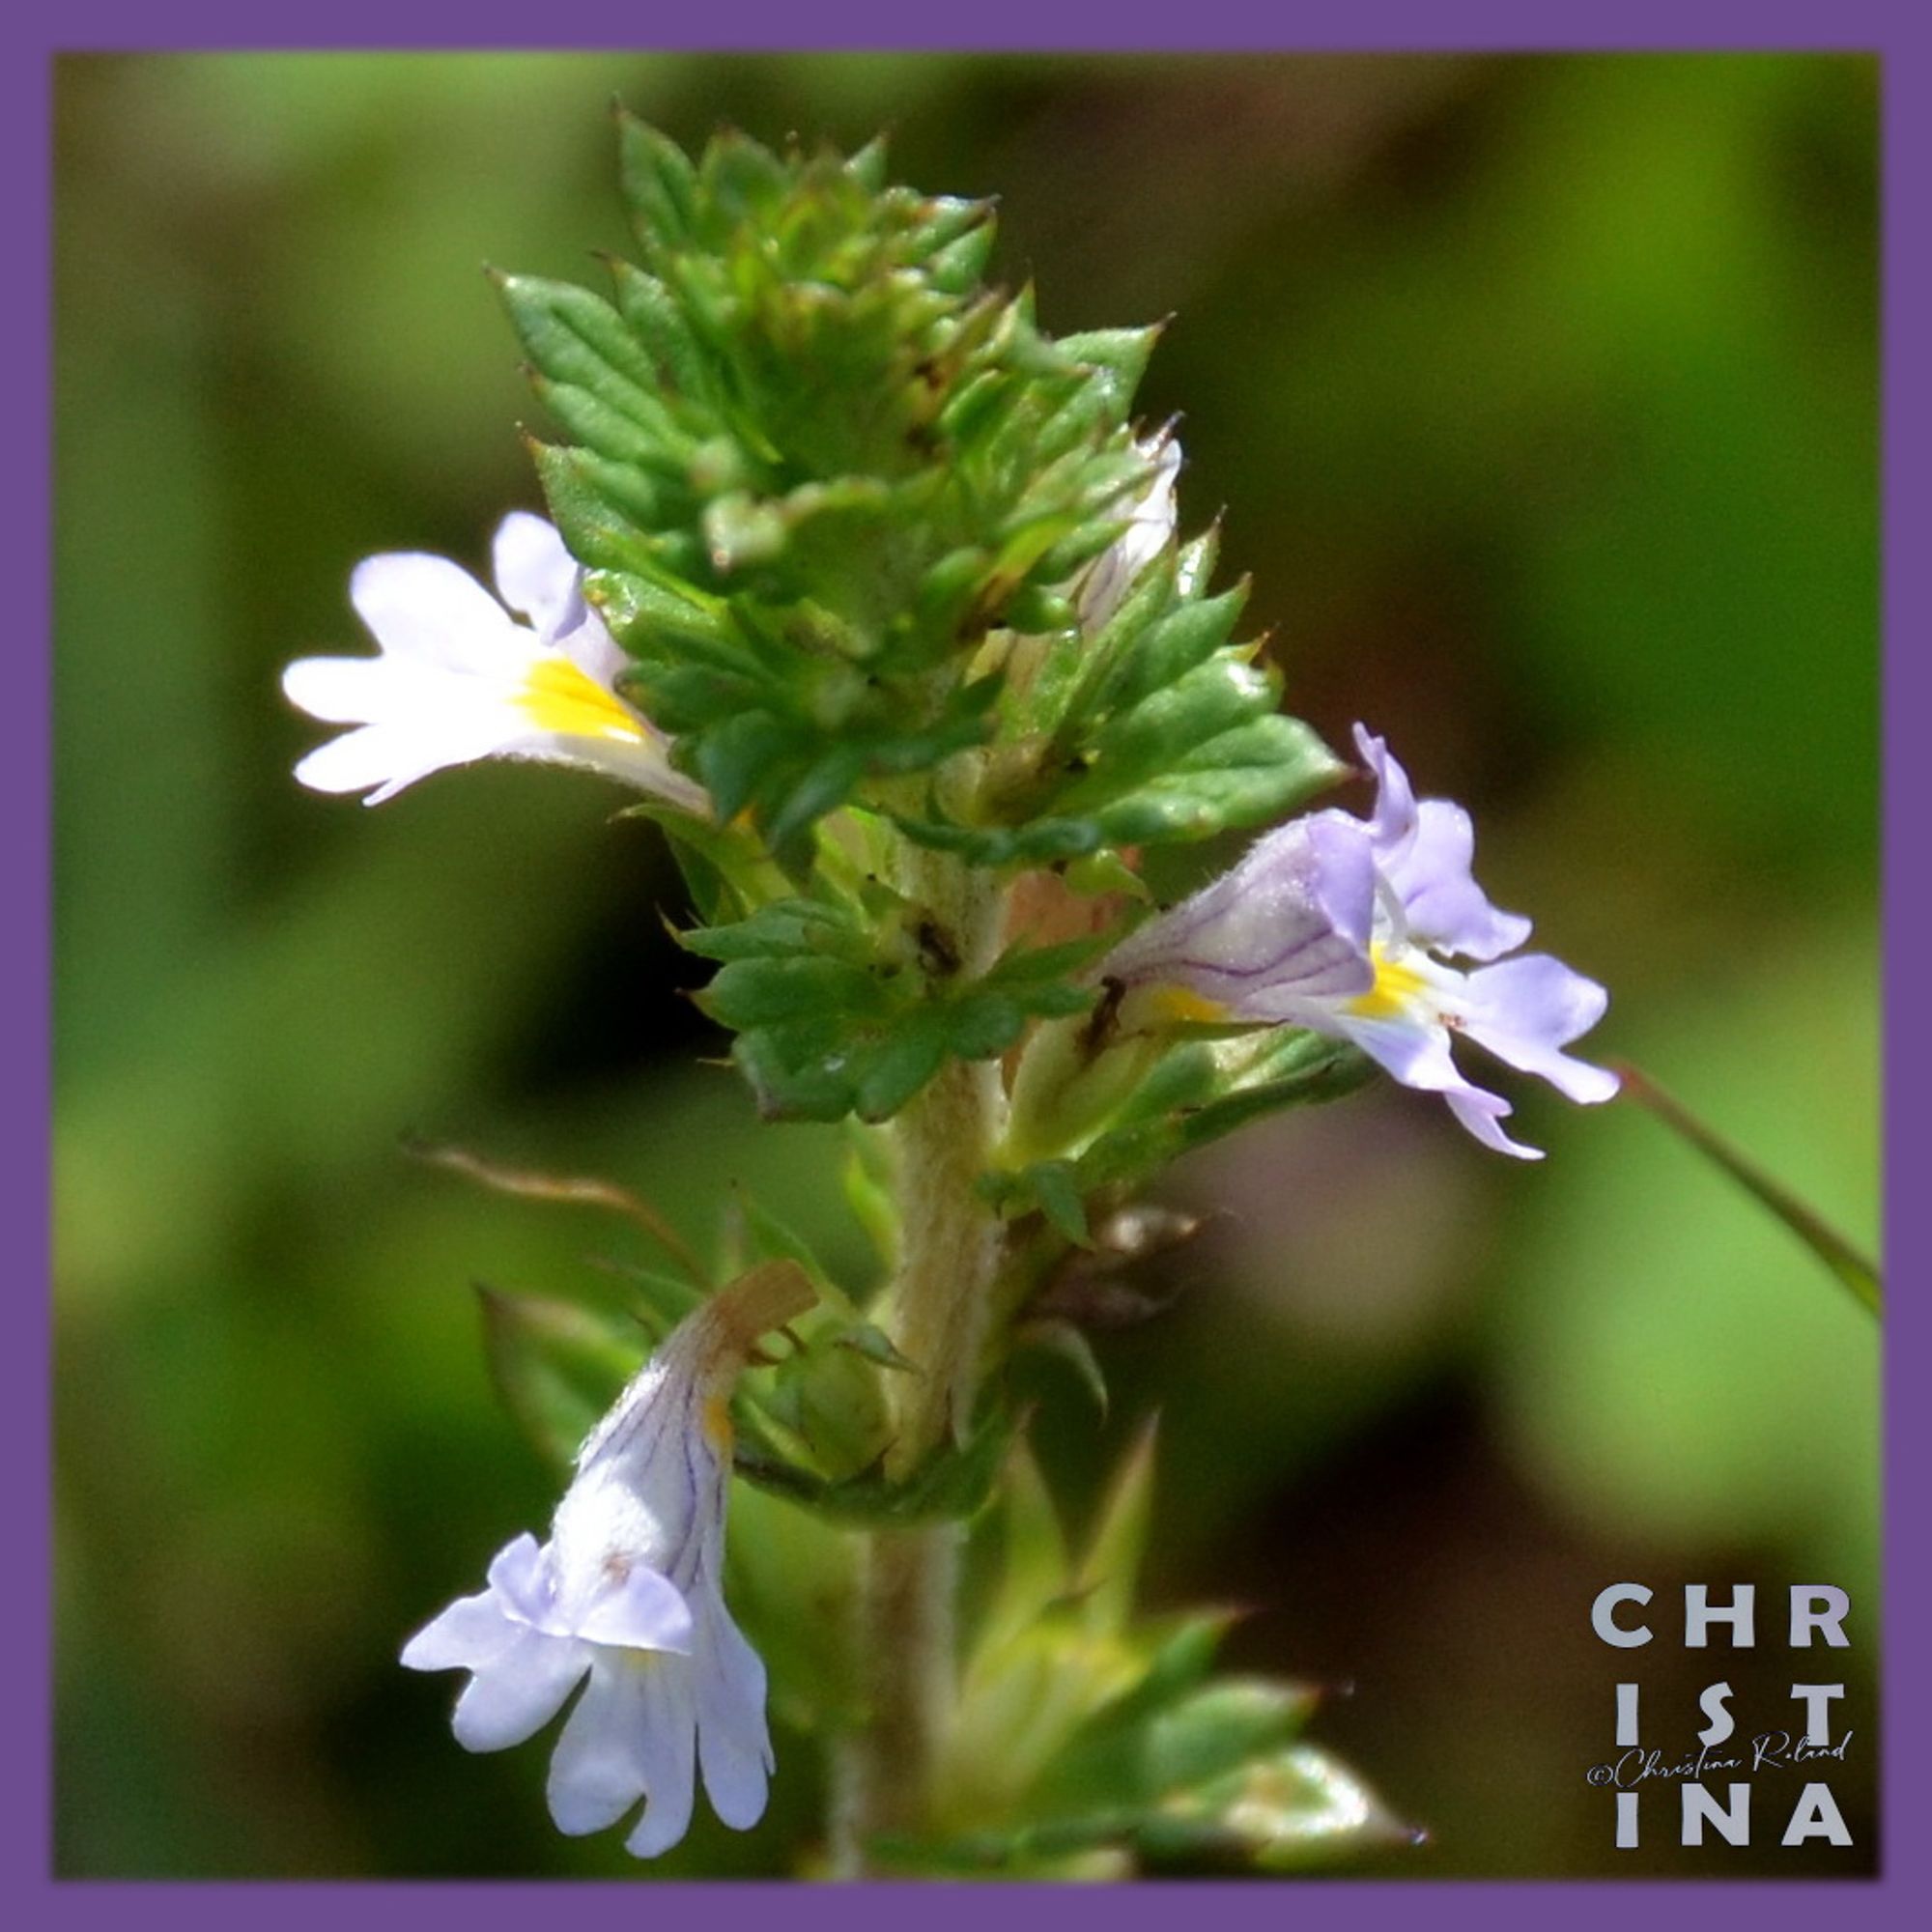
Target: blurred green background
[1542,395]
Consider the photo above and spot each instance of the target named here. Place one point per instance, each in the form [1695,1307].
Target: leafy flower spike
[1345,926]
[458,678]
[626,1593]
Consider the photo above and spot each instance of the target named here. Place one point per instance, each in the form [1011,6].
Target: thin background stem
[1852,1267]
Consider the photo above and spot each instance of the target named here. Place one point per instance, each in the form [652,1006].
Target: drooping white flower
[625,1598]
[457,678]
[1348,926]
[1152,516]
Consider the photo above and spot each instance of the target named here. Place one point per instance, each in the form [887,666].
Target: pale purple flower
[1152,516]
[457,678]
[1346,927]
[625,1599]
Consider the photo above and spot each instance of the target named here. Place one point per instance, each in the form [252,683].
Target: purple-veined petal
[596,1589]
[1392,824]
[645,1611]
[1423,851]
[515,1694]
[1416,1052]
[1444,907]
[1480,1112]
[1290,924]
[536,576]
[521,1574]
[649,1493]
[470,1632]
[667,1754]
[733,1744]
[430,608]
[1526,1011]
[597,1772]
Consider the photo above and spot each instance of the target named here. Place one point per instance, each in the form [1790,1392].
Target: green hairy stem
[949,1254]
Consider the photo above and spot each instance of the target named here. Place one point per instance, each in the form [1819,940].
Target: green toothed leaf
[953,1483]
[837,1015]
[1158,729]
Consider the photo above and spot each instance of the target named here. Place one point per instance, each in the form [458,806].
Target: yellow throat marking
[1396,985]
[1182,1003]
[716,1424]
[558,696]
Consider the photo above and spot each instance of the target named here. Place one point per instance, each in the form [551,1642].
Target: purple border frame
[1886,26]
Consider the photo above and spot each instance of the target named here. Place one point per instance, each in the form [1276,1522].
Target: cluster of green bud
[834,494]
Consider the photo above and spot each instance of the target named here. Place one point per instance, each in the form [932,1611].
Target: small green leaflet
[835,1016]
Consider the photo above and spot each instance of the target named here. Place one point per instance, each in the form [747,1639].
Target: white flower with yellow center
[626,1599]
[457,678]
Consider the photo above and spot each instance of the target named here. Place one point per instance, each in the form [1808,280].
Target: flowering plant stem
[877,595]
[949,1249]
